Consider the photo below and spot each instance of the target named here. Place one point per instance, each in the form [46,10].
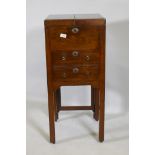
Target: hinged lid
[75,19]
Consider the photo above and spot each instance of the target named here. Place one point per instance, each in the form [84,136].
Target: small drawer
[75,72]
[75,57]
[67,38]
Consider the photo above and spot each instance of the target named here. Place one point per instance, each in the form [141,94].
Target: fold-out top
[75,19]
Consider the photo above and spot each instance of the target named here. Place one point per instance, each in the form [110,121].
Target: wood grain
[66,69]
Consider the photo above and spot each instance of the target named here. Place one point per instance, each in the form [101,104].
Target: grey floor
[76,133]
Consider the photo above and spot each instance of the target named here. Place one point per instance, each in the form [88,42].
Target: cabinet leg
[96,98]
[59,98]
[95,102]
[56,106]
[51,107]
[101,115]
[92,99]
[58,103]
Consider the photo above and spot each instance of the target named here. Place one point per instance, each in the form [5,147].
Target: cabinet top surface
[74,16]
[74,19]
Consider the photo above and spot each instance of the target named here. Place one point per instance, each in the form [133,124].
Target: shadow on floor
[41,107]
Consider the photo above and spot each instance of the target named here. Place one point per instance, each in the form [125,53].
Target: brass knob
[75,70]
[75,53]
[87,58]
[75,30]
[63,58]
[64,75]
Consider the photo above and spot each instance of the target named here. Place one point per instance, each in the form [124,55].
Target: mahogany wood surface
[83,57]
[75,55]
[76,108]
[86,38]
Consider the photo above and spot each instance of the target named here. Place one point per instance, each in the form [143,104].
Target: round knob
[63,58]
[75,30]
[87,58]
[64,75]
[75,53]
[75,70]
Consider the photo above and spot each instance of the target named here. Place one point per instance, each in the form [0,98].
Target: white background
[116,14]
[78,128]
[142,85]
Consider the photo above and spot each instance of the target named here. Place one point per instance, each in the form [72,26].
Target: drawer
[76,38]
[78,57]
[75,72]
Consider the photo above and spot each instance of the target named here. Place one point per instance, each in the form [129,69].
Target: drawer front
[68,38]
[75,72]
[75,57]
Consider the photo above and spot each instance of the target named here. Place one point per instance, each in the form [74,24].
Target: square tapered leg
[95,102]
[96,96]
[101,116]
[51,107]
[57,103]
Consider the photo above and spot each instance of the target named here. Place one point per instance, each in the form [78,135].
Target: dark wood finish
[75,55]
[73,41]
[75,82]
[68,20]
[51,107]
[75,72]
[102,83]
[59,98]
[76,108]
[57,103]
[83,57]
[92,98]
[95,102]
[56,106]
